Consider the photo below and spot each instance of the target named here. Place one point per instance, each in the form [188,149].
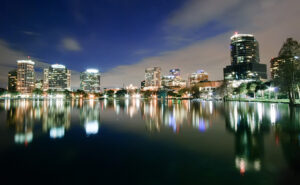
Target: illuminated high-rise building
[152,77]
[175,73]
[57,77]
[199,76]
[90,80]
[25,76]
[245,61]
[173,80]
[275,62]
[12,80]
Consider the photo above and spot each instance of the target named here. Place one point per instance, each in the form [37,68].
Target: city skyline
[202,42]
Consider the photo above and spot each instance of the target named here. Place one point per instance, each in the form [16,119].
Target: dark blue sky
[109,32]
[123,37]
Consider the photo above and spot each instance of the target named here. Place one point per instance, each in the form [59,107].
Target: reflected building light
[57,132]
[21,138]
[137,103]
[91,127]
[127,105]
[244,165]
[116,107]
[7,104]
[172,123]
[234,118]
[59,103]
[105,103]
[273,114]
[202,125]
[210,107]
[91,102]
[257,165]
[260,111]
[251,122]
[59,96]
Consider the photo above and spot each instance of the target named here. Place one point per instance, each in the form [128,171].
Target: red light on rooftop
[236,33]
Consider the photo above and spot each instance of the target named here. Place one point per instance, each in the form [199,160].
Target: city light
[58,66]
[25,62]
[57,132]
[91,127]
[92,70]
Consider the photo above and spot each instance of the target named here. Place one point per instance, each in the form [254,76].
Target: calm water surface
[149,142]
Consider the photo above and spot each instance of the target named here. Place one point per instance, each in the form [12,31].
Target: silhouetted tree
[121,93]
[288,74]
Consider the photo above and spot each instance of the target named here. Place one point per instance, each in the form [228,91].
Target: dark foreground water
[148,142]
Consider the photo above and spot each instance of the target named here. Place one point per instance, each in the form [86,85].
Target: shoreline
[284,101]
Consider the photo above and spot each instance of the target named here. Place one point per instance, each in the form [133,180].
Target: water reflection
[248,123]
[245,121]
[56,118]
[90,117]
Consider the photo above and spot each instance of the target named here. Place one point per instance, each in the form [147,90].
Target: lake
[149,142]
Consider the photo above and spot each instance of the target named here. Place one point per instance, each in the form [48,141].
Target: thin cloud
[71,44]
[271,21]
[195,13]
[8,62]
[31,33]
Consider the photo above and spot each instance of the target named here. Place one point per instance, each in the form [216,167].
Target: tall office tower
[57,77]
[199,76]
[244,59]
[152,77]
[25,76]
[90,80]
[12,80]
[175,73]
[173,80]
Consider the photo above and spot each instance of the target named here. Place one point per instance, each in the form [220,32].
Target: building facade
[152,78]
[245,61]
[57,77]
[175,73]
[207,88]
[173,80]
[90,80]
[25,76]
[12,80]
[275,62]
[195,78]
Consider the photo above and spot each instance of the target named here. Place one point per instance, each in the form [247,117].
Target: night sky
[122,37]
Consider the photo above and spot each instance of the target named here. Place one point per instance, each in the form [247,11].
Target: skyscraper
[57,77]
[152,78]
[173,80]
[25,76]
[275,62]
[12,80]
[175,72]
[245,59]
[90,80]
[199,76]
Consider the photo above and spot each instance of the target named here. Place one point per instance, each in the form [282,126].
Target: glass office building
[25,76]
[245,61]
[57,77]
[90,80]
[152,77]
[12,80]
